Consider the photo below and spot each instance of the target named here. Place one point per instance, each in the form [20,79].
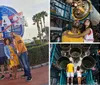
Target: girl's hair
[78,68]
[6,40]
[84,27]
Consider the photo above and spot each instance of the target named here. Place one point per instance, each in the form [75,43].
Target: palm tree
[43,15]
[41,23]
[41,29]
[36,19]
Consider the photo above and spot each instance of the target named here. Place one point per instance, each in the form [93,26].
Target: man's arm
[20,45]
[79,35]
[65,32]
[73,67]
[67,68]
[15,46]
[7,52]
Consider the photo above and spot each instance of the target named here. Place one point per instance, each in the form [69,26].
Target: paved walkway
[40,77]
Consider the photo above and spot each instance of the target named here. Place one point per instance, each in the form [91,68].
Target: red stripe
[10,17]
[10,25]
[90,32]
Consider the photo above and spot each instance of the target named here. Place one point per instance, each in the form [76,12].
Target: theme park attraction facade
[11,21]
[66,11]
[84,55]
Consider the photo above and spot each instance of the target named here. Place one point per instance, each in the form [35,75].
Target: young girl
[87,31]
[12,57]
[79,75]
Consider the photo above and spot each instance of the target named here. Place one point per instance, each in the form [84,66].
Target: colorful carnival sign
[11,21]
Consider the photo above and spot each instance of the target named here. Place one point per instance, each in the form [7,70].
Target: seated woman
[87,32]
[12,57]
[74,31]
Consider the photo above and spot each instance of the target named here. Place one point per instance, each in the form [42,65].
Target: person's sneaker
[23,76]
[29,79]
[10,76]
[71,83]
[2,77]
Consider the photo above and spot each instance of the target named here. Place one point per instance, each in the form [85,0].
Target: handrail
[52,54]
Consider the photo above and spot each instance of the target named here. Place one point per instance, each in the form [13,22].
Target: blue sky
[29,8]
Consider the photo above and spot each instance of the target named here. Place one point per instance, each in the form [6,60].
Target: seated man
[74,30]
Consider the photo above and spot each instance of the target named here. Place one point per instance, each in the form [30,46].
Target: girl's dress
[89,37]
[79,74]
[10,53]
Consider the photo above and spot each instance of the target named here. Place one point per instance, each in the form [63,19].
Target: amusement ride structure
[84,55]
[64,12]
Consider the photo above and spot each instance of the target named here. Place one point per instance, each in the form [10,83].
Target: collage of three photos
[49,42]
